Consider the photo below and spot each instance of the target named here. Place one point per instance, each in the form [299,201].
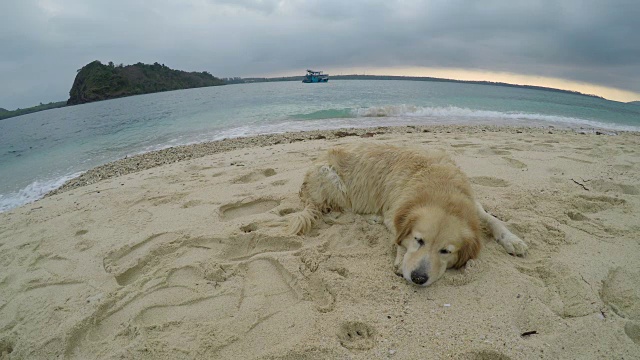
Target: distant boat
[315,77]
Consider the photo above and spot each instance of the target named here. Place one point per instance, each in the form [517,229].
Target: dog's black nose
[419,278]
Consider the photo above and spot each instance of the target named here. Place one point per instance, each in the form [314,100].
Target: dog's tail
[301,222]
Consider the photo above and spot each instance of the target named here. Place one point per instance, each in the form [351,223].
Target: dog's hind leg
[322,192]
[509,241]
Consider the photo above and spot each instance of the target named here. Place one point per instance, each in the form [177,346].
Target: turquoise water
[39,151]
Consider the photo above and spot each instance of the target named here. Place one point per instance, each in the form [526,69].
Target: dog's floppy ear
[403,222]
[468,251]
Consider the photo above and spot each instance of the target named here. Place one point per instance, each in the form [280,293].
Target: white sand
[189,260]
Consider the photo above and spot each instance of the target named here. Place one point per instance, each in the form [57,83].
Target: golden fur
[422,197]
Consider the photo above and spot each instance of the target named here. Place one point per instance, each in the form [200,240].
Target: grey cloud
[44,42]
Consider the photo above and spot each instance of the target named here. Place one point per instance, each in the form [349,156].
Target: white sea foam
[32,192]
[453,113]
[395,115]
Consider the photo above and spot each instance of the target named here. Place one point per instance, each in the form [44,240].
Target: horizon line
[438,79]
[458,74]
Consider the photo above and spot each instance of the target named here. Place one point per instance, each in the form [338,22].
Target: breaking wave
[32,192]
[449,113]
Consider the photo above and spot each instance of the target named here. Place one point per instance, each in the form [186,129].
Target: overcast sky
[44,42]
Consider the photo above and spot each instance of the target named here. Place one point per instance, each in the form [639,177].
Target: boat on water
[315,77]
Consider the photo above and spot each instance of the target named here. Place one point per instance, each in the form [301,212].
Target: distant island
[4,113]
[237,80]
[634,102]
[96,81]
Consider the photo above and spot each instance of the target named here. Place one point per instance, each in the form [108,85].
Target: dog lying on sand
[422,197]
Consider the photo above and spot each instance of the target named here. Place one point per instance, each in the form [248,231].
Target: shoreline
[155,158]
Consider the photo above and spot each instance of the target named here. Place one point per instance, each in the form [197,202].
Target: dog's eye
[420,242]
[445,251]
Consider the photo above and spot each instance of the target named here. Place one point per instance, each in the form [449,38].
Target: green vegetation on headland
[96,81]
[237,80]
[4,113]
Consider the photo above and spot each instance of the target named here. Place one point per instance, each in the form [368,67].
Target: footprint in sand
[590,226]
[515,163]
[577,216]
[309,352]
[266,311]
[240,209]
[137,218]
[632,329]
[229,287]
[38,301]
[257,315]
[463,145]
[130,263]
[249,228]
[279,182]
[483,355]
[622,167]
[254,176]
[489,181]
[356,336]
[127,263]
[592,204]
[494,151]
[192,203]
[54,264]
[621,291]
[6,348]
[247,245]
[532,314]
[316,288]
[266,288]
[608,186]
[83,243]
[161,199]
[278,223]
[576,160]
[116,315]
[566,293]
[321,294]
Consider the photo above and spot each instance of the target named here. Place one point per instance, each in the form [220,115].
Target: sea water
[40,151]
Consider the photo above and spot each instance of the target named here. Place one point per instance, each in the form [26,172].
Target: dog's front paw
[397,263]
[513,244]
[398,271]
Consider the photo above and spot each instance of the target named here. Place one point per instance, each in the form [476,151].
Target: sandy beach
[184,254]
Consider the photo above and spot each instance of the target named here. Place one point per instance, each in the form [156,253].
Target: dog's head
[435,239]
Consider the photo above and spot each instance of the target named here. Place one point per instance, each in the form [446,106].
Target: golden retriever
[422,197]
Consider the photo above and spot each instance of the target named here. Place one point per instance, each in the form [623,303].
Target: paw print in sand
[356,336]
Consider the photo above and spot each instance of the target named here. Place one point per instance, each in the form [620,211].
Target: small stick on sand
[584,187]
